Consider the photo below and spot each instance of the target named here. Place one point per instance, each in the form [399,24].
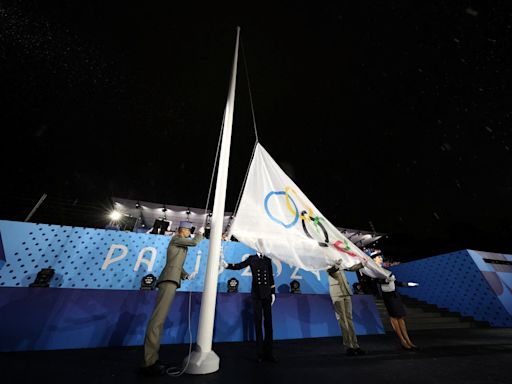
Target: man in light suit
[168,282]
[340,293]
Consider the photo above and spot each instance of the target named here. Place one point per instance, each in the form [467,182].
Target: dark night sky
[396,113]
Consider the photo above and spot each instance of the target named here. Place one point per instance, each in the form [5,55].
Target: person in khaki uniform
[167,283]
[340,293]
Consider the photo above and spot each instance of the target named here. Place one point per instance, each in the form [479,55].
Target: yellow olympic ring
[291,208]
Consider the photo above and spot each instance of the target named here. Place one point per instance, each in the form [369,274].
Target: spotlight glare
[115,215]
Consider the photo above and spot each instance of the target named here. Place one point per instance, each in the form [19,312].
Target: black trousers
[263,311]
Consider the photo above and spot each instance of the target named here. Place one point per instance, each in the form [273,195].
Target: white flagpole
[203,359]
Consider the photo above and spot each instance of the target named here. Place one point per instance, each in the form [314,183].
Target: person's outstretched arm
[237,266]
[406,283]
[187,242]
[354,268]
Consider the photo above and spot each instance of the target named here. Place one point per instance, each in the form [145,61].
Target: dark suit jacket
[262,277]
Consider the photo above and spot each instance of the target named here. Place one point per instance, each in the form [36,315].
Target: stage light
[129,223]
[115,215]
[160,226]
[43,278]
[232,285]
[148,282]
[295,286]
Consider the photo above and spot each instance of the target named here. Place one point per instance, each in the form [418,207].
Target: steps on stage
[422,315]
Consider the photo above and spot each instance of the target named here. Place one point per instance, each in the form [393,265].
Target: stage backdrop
[106,259]
[474,283]
[2,254]
[102,304]
[46,318]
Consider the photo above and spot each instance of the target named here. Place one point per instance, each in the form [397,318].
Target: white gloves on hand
[201,231]
[192,276]
[222,266]
[273,299]
[390,278]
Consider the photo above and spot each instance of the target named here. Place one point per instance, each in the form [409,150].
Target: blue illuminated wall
[41,318]
[463,282]
[2,254]
[106,259]
[100,303]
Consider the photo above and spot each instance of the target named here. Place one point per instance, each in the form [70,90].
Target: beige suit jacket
[338,284]
[176,255]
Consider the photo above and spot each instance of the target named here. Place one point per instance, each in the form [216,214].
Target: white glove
[273,299]
[412,284]
[201,231]
[192,276]
[390,278]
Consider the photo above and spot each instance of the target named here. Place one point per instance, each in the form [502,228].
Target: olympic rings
[306,215]
[272,217]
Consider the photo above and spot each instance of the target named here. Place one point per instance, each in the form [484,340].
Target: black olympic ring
[322,244]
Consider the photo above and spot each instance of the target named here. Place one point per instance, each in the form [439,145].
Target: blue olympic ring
[295,219]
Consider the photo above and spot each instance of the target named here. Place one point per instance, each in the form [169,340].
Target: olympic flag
[278,220]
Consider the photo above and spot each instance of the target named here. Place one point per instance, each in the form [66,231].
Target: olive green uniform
[168,282]
[340,293]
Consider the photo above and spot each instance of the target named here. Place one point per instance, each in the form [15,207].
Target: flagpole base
[202,363]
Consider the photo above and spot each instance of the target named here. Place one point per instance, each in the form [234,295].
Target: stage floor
[447,356]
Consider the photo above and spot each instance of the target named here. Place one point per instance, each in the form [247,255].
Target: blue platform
[2,253]
[53,318]
[94,298]
[474,283]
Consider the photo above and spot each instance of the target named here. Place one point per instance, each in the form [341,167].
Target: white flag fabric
[278,220]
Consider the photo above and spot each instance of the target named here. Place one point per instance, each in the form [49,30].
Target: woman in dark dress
[395,308]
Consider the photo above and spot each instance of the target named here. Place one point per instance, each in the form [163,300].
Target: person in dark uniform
[395,307]
[263,293]
[369,285]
